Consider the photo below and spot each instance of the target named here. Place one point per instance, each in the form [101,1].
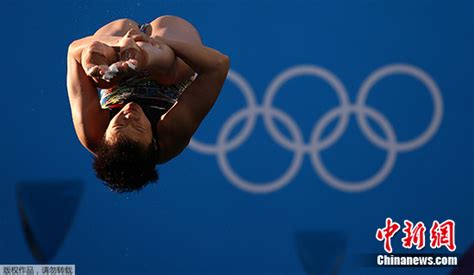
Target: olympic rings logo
[361,111]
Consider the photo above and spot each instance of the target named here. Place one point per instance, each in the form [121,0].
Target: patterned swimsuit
[155,98]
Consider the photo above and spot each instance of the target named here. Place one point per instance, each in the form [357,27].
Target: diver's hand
[96,59]
[131,57]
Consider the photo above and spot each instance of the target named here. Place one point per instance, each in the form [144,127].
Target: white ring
[366,184]
[432,88]
[264,187]
[302,70]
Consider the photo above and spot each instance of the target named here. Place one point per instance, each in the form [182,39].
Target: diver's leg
[173,27]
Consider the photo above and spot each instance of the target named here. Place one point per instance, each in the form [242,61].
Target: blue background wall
[196,220]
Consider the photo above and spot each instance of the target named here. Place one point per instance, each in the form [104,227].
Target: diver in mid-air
[157,82]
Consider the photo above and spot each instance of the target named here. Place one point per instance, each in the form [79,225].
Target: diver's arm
[181,122]
[90,121]
[95,54]
[77,47]
[133,52]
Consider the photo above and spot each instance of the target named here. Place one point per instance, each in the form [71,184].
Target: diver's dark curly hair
[125,165]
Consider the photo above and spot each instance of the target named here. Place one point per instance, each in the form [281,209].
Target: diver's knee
[165,19]
[117,27]
[126,23]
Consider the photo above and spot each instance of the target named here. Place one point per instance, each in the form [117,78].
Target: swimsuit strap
[143,27]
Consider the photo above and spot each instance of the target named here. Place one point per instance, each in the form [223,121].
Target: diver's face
[131,123]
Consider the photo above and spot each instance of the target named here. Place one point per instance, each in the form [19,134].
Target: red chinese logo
[441,234]
[414,235]
[385,234]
